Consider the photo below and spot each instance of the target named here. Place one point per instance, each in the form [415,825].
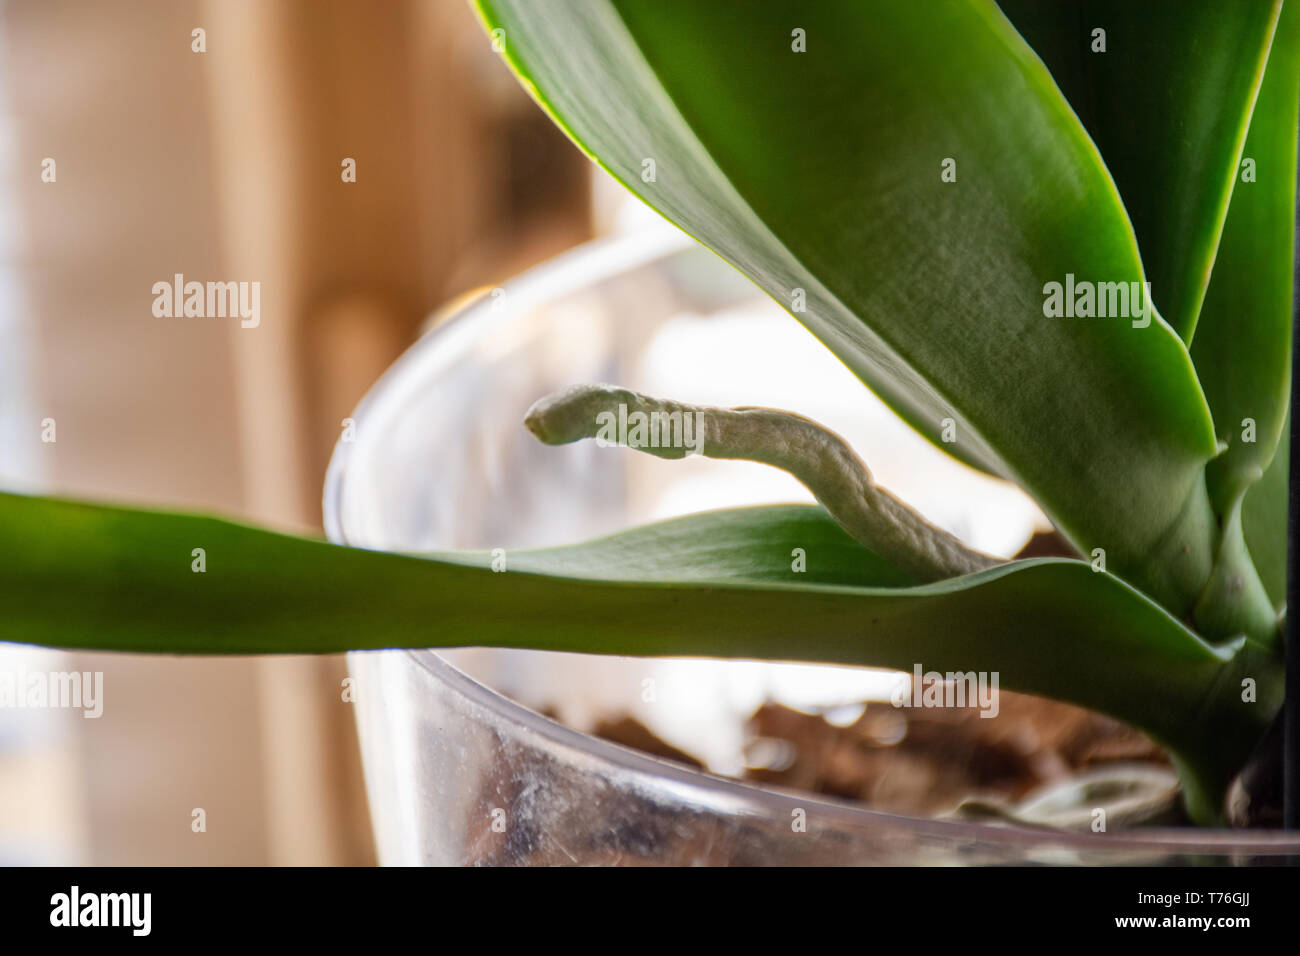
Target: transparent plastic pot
[458,771]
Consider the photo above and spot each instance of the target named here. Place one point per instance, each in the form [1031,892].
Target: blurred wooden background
[225,165]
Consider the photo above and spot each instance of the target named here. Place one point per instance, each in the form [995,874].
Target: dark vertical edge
[1291,740]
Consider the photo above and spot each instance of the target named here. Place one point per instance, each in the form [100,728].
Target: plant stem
[818,457]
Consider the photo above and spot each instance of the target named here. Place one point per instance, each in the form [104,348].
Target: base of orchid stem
[1230,735]
[1233,601]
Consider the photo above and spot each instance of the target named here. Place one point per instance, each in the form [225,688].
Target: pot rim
[582,266]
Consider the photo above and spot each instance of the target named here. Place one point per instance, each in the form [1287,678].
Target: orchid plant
[1057,239]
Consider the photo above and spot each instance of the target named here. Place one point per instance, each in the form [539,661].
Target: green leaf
[821,171]
[716,585]
[741,545]
[1264,520]
[1167,104]
[1242,348]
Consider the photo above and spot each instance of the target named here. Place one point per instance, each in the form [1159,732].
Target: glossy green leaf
[819,174]
[1166,93]
[1242,348]
[1264,520]
[742,545]
[718,585]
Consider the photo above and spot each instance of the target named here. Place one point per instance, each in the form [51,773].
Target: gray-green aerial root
[818,457]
